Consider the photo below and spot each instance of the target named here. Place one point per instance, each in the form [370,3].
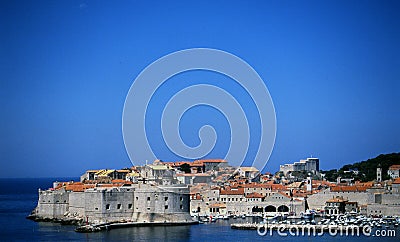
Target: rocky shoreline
[83,227]
[67,219]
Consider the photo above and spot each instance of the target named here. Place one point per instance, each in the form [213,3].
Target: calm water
[18,197]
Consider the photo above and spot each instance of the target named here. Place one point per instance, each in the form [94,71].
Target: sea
[18,197]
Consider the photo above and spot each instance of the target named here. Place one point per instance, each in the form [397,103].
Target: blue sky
[331,67]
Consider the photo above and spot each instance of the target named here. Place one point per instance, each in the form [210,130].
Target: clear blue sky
[331,67]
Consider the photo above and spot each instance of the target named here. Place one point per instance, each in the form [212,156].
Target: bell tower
[379,173]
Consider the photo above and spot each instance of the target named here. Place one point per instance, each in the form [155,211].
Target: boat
[225,217]
[307,215]
[243,216]
[204,220]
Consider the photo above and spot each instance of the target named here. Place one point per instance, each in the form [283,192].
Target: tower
[379,173]
[309,183]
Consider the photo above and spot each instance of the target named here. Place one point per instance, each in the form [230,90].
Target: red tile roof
[336,200]
[254,195]
[349,188]
[394,167]
[239,191]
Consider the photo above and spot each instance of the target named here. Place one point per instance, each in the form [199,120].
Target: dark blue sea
[19,196]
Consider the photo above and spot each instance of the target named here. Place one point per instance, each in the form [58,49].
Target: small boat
[307,215]
[243,216]
[234,217]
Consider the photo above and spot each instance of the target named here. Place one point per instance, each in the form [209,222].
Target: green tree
[185,168]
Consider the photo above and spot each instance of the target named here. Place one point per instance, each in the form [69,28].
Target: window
[130,205]
[181,207]
[148,209]
[166,206]
[181,198]
[148,198]
[108,206]
[137,198]
[118,206]
[166,198]
[96,208]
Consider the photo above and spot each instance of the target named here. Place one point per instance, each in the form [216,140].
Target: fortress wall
[161,217]
[109,204]
[77,203]
[52,204]
[194,204]
[384,210]
[391,199]
[317,201]
[159,204]
[165,204]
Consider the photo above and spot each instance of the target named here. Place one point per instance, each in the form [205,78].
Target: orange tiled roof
[121,181]
[273,187]
[254,195]
[349,188]
[78,187]
[217,205]
[239,191]
[336,200]
[394,167]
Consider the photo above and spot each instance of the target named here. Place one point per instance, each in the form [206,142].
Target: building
[199,166]
[310,165]
[217,209]
[309,184]
[213,164]
[394,171]
[254,197]
[247,172]
[115,202]
[190,179]
[379,173]
[335,206]
[351,207]
[104,174]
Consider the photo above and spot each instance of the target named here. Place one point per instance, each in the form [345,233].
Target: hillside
[365,170]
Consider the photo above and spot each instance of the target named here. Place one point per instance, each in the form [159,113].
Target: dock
[89,228]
